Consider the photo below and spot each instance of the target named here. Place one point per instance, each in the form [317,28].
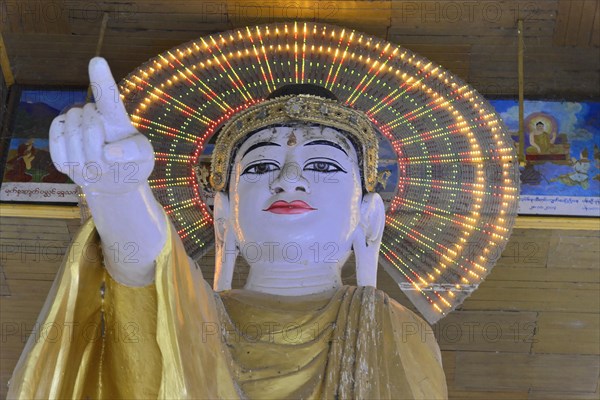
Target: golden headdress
[303,108]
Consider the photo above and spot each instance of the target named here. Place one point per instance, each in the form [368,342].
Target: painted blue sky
[57,99]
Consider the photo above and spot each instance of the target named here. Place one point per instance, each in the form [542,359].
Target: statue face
[295,196]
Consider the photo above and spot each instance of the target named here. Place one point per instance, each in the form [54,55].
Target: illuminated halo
[456,196]
[533,119]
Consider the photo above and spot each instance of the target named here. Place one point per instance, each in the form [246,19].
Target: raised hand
[97,146]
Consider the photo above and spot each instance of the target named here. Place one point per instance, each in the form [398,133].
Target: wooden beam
[5,64]
[39,211]
[574,23]
[584,38]
[572,223]
[98,50]
[562,22]
[521,93]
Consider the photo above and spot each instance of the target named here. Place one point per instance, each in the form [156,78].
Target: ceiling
[50,42]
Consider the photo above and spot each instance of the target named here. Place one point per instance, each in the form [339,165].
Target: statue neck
[293,279]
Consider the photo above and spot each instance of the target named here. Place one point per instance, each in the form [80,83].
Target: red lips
[295,207]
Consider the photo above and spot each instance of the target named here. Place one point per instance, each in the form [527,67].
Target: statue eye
[260,168]
[323,166]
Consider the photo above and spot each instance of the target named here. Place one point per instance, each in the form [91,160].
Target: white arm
[100,150]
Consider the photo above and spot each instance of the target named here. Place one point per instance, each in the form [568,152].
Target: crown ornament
[290,110]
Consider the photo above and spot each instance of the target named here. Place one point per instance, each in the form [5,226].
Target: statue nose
[290,179]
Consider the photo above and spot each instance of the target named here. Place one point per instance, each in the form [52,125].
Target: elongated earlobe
[225,244]
[367,239]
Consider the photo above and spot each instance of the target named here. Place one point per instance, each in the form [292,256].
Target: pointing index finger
[108,101]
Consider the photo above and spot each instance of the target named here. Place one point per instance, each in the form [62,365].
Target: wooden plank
[44,262]
[30,15]
[533,298]
[595,38]
[227,10]
[81,42]
[486,331]
[195,27]
[533,50]
[441,55]
[526,247]
[4,289]
[26,221]
[571,250]
[504,13]
[576,333]
[41,234]
[57,18]
[456,393]
[578,286]
[78,48]
[571,57]
[585,74]
[507,61]
[562,22]
[576,395]
[549,372]
[33,245]
[374,15]
[4,21]
[525,273]
[32,262]
[526,253]
[584,36]
[38,233]
[26,290]
[574,22]
[449,363]
[489,35]
[370,17]
[39,211]
[18,314]
[487,395]
[34,276]
[450,38]
[13,13]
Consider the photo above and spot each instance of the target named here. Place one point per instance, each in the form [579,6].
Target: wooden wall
[531,331]
[477,40]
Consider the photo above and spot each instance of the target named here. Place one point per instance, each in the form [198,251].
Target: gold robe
[178,339]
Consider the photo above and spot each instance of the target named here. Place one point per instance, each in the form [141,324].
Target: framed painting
[28,174]
[561,171]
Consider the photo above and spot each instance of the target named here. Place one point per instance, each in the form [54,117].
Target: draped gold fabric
[178,339]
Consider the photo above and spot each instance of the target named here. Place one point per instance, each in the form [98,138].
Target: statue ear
[225,244]
[367,239]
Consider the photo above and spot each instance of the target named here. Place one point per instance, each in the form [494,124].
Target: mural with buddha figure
[561,171]
[29,174]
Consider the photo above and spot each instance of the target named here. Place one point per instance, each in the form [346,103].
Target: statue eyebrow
[257,145]
[326,143]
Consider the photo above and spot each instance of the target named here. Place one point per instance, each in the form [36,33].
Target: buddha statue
[295,178]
